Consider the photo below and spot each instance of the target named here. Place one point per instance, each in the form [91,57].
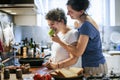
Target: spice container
[19,74]
[6,74]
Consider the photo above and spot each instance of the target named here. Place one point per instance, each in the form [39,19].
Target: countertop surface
[10,59]
[43,70]
[29,76]
[24,76]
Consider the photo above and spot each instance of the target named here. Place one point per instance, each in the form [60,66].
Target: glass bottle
[31,43]
[34,50]
[31,48]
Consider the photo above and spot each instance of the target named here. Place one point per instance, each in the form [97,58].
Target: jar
[19,74]
[6,74]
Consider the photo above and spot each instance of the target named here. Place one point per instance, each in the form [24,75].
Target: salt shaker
[19,74]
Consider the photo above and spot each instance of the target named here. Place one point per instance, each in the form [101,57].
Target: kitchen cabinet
[28,20]
[22,11]
[16,1]
[113,63]
[114,13]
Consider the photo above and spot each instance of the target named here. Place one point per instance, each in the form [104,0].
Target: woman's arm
[65,63]
[68,62]
[77,50]
[62,64]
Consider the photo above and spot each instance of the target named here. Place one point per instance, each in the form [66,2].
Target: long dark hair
[79,4]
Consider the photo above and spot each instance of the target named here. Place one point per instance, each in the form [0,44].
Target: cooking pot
[34,62]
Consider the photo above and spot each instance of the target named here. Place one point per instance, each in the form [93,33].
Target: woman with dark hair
[89,45]
[61,58]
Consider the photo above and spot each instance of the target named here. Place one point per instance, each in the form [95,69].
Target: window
[97,10]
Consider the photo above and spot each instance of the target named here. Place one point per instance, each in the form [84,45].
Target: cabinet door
[113,63]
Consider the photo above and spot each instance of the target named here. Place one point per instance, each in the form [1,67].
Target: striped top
[92,55]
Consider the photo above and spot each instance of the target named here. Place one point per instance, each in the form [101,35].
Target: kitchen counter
[41,70]
[24,76]
[9,59]
[114,53]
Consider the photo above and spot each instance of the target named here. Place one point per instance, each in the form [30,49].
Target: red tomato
[42,77]
[37,77]
[48,77]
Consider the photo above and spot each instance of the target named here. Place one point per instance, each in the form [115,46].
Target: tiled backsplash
[108,30]
[37,33]
[40,33]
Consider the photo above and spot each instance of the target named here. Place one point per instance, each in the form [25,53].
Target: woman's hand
[55,38]
[52,66]
[47,63]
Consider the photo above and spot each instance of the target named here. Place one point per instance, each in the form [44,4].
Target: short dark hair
[78,4]
[56,15]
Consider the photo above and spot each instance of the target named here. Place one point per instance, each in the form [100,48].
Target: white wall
[28,20]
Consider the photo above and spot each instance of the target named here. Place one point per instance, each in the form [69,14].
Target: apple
[51,32]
